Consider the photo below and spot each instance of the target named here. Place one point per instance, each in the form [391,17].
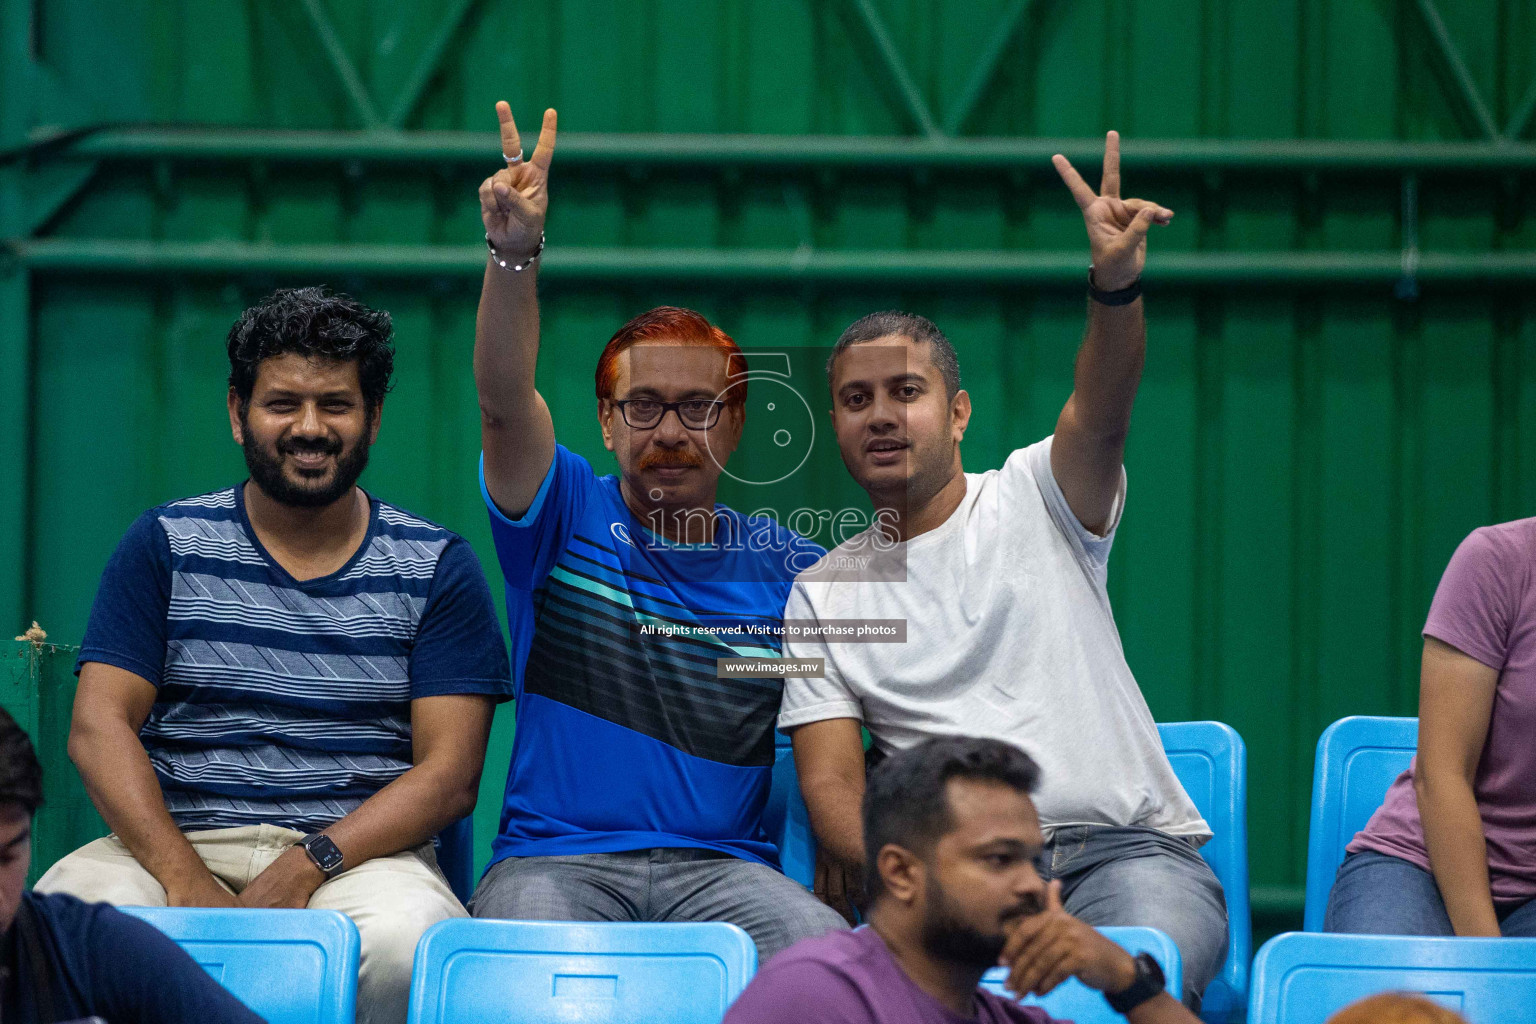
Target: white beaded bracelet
[516,268]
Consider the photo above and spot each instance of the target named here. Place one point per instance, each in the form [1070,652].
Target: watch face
[323,852]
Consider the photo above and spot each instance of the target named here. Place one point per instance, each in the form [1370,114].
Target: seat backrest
[786,820]
[456,856]
[534,972]
[1074,1001]
[1211,762]
[1302,978]
[1357,760]
[289,966]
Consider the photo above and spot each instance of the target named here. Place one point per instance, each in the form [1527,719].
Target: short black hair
[315,324]
[905,802]
[918,328]
[21,776]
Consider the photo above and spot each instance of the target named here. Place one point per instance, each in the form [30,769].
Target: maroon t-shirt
[851,978]
[1485,607]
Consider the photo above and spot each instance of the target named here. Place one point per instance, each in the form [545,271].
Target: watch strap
[1119,297]
[1149,982]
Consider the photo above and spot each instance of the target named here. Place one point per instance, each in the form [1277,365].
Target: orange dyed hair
[1396,1008]
[681,327]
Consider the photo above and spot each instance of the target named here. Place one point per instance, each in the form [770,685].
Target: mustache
[662,458]
[310,446]
[1029,906]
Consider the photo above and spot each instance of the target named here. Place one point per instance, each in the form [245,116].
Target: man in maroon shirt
[951,839]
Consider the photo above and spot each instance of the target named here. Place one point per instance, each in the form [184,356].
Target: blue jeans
[1139,876]
[1374,894]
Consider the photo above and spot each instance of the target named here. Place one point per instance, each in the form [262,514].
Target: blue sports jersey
[280,701]
[625,738]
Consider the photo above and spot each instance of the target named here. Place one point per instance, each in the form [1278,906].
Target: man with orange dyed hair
[638,776]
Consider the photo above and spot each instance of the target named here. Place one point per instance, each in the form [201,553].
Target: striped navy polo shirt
[278,701]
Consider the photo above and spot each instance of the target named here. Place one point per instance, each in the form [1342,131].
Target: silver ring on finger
[512,161]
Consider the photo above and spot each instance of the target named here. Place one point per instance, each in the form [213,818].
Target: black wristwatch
[1149,982]
[324,853]
[1119,297]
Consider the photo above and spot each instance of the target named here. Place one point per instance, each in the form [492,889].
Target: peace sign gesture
[1117,228]
[513,201]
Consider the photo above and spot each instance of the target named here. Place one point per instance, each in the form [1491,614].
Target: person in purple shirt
[1452,849]
[951,839]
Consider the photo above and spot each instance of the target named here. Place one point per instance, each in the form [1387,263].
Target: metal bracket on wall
[1407,287]
[980,79]
[895,66]
[341,64]
[1467,89]
[51,189]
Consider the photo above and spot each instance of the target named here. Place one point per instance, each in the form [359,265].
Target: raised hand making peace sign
[513,201]
[1117,228]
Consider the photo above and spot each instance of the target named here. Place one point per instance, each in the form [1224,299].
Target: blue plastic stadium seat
[456,856]
[289,966]
[1080,1004]
[1211,762]
[1357,760]
[537,972]
[1302,978]
[786,820]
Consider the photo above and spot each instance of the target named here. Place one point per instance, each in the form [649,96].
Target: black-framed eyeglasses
[695,413]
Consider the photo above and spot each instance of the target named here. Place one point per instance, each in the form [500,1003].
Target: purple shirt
[1485,608]
[851,978]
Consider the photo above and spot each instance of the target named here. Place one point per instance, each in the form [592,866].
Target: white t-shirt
[1009,636]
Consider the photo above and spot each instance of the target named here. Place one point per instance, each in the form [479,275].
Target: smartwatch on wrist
[1149,982]
[325,854]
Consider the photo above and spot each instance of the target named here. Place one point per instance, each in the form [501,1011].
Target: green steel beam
[1457,67]
[342,64]
[106,256]
[1520,120]
[1276,900]
[896,68]
[789,152]
[427,66]
[985,71]
[15,321]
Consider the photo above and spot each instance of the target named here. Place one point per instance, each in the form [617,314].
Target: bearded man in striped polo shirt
[286,686]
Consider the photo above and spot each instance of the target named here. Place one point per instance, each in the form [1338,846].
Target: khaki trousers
[392,900]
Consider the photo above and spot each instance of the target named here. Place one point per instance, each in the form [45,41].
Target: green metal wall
[1342,352]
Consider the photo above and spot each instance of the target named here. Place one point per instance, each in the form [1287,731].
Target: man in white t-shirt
[1000,580]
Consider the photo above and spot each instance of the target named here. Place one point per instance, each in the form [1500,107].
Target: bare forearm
[1458,853]
[1161,1009]
[836,819]
[121,783]
[406,813]
[506,342]
[1108,370]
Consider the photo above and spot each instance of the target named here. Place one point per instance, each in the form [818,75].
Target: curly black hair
[314,323]
[21,776]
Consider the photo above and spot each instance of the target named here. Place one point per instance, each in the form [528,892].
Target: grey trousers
[1139,876]
[657,885]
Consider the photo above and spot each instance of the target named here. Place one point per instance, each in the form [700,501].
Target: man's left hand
[1047,948]
[1117,228]
[288,882]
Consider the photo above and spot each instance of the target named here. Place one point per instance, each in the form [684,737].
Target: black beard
[948,938]
[267,471]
